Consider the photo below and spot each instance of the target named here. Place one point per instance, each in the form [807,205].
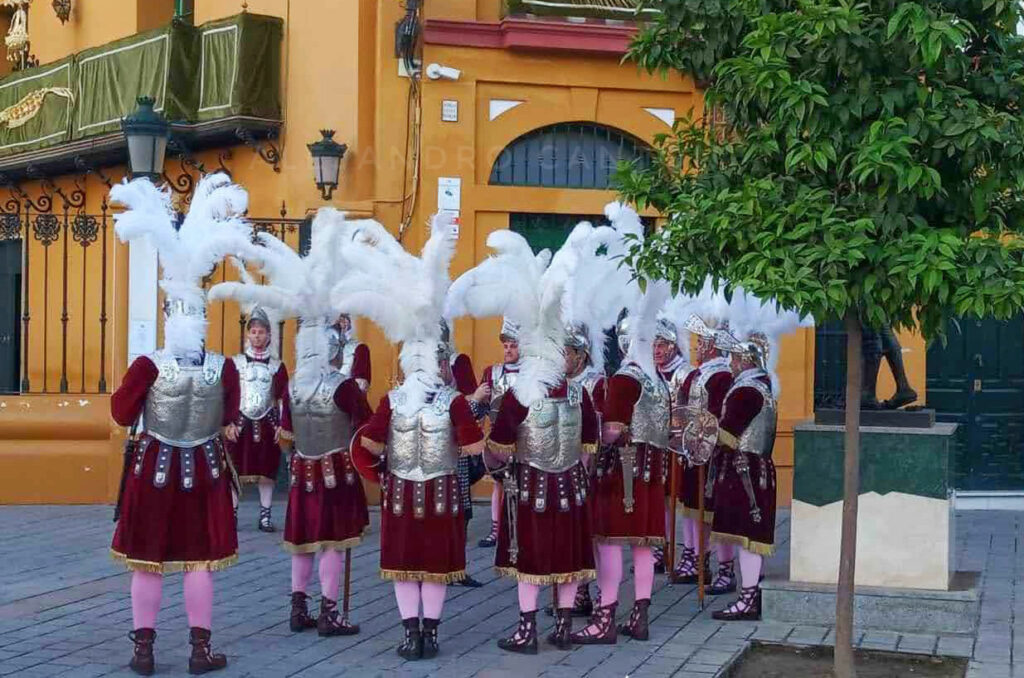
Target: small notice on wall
[449,111]
[449,194]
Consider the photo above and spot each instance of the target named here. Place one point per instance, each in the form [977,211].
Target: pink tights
[610,572]
[409,595]
[528,594]
[495,502]
[147,590]
[302,570]
[331,564]
[750,568]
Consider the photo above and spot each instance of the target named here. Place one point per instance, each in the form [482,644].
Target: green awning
[224,68]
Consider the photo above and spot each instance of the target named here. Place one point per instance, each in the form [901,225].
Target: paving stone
[956,646]
[880,640]
[69,615]
[917,643]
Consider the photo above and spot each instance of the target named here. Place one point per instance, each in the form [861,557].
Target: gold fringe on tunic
[546,579]
[420,576]
[171,566]
[756,547]
[314,546]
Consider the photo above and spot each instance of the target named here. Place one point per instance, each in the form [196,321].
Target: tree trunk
[844,667]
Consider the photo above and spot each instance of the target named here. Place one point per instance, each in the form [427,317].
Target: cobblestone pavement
[64,610]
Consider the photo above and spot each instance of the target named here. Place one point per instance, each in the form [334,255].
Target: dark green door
[10,309]
[977,381]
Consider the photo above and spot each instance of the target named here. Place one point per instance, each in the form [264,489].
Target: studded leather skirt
[422,531]
[326,504]
[176,512]
[551,540]
[629,508]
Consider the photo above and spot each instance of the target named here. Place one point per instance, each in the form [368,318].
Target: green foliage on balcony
[607,9]
[223,68]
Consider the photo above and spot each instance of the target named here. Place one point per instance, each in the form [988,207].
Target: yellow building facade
[409,146]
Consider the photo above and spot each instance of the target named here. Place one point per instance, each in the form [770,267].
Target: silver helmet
[260,317]
[755,348]
[666,329]
[577,336]
[509,330]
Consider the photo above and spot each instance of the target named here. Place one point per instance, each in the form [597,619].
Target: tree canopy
[867,157]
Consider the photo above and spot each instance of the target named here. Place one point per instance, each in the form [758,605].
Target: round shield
[493,462]
[700,438]
[678,418]
[369,465]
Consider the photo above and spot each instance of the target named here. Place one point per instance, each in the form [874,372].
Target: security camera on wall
[439,72]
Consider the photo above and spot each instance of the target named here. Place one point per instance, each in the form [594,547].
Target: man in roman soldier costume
[327,510]
[494,384]
[544,427]
[263,413]
[420,428]
[175,512]
[348,355]
[671,358]
[701,392]
[744,473]
[629,503]
[470,468]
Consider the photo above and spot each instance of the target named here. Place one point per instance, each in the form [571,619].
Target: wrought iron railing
[63,337]
[63,245]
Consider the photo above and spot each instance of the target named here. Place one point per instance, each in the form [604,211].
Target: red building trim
[529,34]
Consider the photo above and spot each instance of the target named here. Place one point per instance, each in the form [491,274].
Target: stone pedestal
[905,514]
[905,534]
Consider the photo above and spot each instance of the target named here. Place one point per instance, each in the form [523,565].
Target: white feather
[212,229]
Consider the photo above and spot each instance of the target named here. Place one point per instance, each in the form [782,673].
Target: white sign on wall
[449,111]
[449,194]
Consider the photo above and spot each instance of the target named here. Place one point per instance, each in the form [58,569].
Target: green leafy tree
[866,163]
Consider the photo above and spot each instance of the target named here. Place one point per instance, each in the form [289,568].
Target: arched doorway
[568,155]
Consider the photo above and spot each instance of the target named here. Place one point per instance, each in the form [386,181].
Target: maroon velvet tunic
[732,521]
[689,485]
[322,517]
[361,364]
[645,524]
[259,456]
[431,547]
[170,529]
[462,373]
[555,542]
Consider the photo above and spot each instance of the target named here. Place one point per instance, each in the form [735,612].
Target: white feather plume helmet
[296,287]
[602,285]
[748,315]
[643,315]
[212,230]
[249,308]
[401,293]
[528,290]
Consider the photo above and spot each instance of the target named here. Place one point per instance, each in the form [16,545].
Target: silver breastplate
[550,438]
[421,446]
[588,380]
[651,411]
[256,380]
[501,381]
[185,405]
[698,387]
[348,359]
[759,436]
[318,426]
